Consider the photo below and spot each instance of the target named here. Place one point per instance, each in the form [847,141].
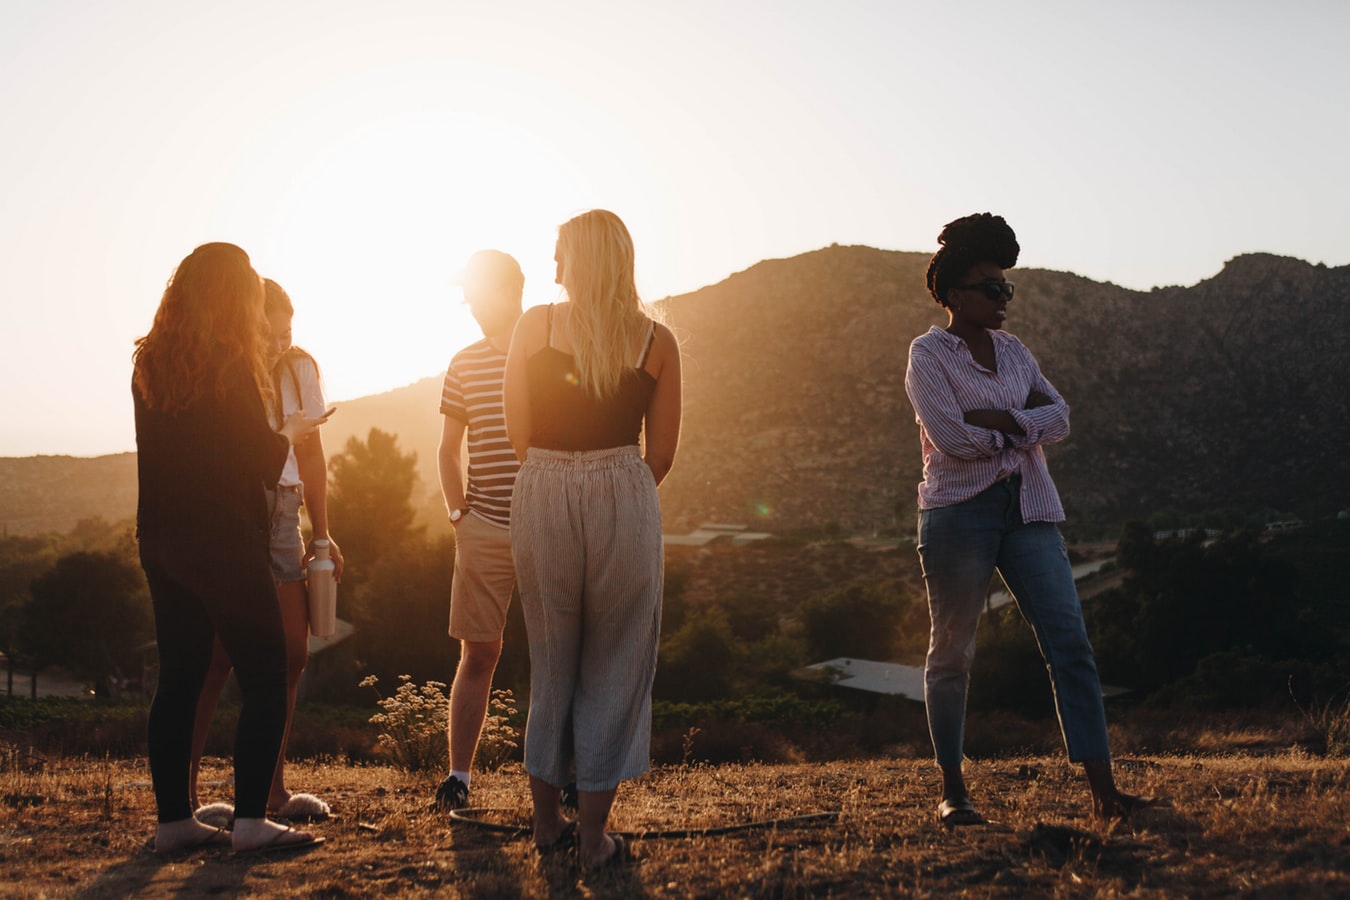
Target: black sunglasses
[992,289]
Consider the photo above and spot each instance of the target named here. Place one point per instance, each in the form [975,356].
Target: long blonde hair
[209,319]
[608,322]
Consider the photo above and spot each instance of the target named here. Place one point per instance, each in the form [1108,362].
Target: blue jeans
[959,548]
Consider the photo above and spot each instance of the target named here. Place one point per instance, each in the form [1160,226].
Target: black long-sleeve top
[203,471]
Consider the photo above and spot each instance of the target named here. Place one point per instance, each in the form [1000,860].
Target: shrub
[1338,731]
[783,709]
[413,724]
[1331,720]
[499,739]
[72,727]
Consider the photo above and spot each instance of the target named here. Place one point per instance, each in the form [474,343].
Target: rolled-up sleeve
[1045,424]
[940,415]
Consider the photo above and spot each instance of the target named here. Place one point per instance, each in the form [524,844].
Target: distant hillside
[1228,393]
[51,493]
[410,412]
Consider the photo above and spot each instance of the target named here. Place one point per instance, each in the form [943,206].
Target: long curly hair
[966,242]
[210,318]
[607,321]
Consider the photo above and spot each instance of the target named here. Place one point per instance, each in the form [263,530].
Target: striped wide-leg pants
[586,535]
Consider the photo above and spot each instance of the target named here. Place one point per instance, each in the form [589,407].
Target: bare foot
[1120,805]
[561,839]
[258,835]
[277,800]
[618,854]
[188,834]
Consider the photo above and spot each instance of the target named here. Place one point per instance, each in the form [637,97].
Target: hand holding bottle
[334,553]
[322,591]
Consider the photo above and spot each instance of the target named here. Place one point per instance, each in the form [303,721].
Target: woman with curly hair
[206,455]
[586,382]
[987,504]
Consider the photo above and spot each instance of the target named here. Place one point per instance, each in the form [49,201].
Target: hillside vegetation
[1224,394]
[50,494]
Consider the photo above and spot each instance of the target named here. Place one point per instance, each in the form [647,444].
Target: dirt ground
[1233,825]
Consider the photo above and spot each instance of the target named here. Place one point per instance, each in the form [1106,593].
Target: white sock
[462,776]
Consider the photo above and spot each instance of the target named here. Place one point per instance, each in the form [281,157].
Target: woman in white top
[296,386]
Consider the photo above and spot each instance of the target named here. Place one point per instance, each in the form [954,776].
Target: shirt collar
[953,341]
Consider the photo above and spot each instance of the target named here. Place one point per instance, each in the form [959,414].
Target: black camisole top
[563,416]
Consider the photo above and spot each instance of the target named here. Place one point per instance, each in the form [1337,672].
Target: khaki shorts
[484,578]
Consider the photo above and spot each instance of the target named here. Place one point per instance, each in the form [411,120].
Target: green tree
[750,614]
[1183,601]
[22,560]
[858,621]
[96,535]
[370,501]
[89,613]
[700,660]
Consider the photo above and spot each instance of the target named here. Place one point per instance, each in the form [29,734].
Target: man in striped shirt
[480,510]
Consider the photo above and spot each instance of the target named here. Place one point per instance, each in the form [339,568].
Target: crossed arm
[1002,419]
[981,433]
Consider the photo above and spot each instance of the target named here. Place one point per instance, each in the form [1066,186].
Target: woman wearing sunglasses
[987,503]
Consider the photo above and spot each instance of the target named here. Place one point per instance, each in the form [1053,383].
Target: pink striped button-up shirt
[959,461]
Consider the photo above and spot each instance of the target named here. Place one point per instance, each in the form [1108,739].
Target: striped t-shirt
[944,382]
[472,394]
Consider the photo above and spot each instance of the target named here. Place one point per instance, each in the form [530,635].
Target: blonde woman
[588,381]
[206,455]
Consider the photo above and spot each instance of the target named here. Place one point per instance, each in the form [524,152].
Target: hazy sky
[360,151]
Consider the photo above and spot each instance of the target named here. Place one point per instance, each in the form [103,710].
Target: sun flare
[369,234]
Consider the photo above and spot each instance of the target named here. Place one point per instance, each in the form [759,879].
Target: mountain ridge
[1221,394]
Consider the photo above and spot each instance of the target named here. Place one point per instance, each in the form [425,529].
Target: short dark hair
[493,268]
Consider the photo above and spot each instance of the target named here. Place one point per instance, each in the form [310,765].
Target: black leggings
[202,590]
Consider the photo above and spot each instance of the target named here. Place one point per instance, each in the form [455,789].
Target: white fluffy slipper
[304,807]
[217,815]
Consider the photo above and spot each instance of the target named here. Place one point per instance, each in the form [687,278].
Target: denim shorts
[288,547]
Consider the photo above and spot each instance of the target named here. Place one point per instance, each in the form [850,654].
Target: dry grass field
[1239,822]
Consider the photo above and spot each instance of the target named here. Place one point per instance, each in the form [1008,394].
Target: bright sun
[367,238]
